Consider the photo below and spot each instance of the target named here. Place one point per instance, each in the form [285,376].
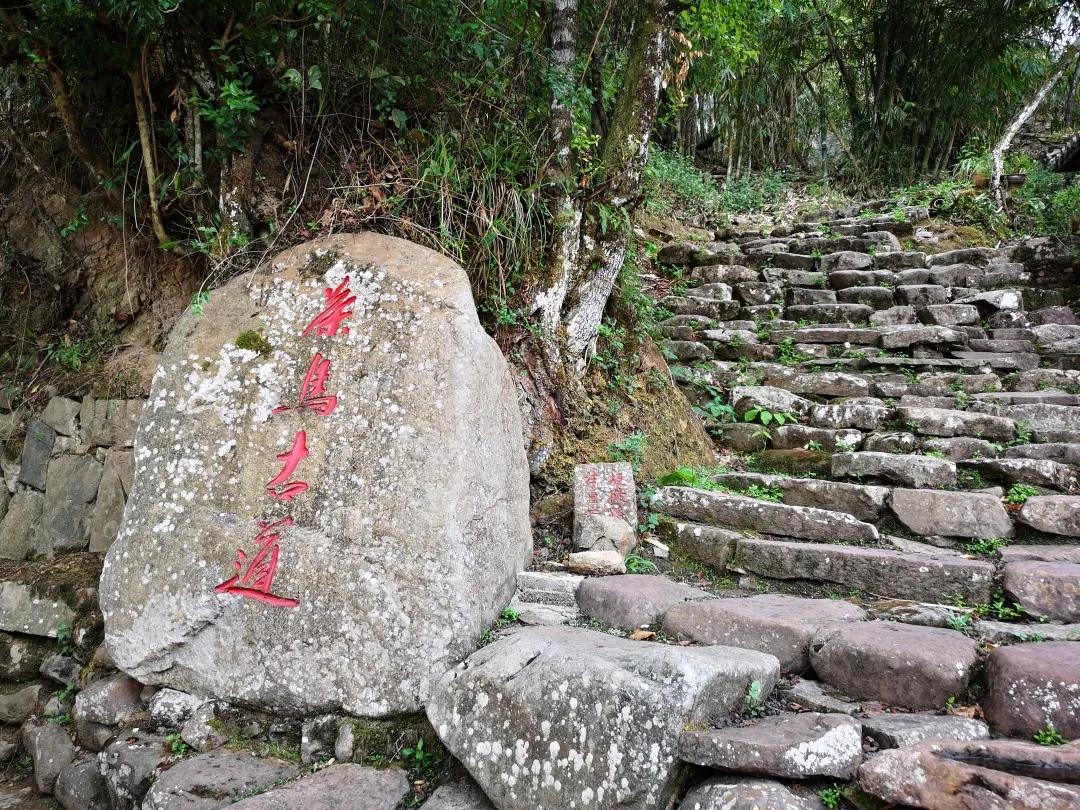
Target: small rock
[61,669]
[37,449]
[606,533]
[633,600]
[732,793]
[51,750]
[62,415]
[810,695]
[200,731]
[215,779]
[1050,589]
[793,746]
[902,730]
[1055,514]
[912,471]
[169,708]
[109,702]
[80,787]
[596,563]
[952,514]
[129,765]
[17,706]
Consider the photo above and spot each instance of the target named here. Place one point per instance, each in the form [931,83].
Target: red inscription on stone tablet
[338,301]
[256,580]
[279,487]
[313,390]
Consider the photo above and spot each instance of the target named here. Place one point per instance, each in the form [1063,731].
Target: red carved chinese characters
[256,581]
[313,394]
[327,322]
[279,487]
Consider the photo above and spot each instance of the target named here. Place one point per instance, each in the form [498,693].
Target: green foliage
[986,547]
[673,184]
[629,449]
[65,638]
[1019,493]
[831,796]
[754,192]
[70,354]
[176,744]
[198,302]
[509,615]
[76,223]
[1049,736]
[637,564]
[254,342]
[764,493]
[767,417]
[753,704]
[789,355]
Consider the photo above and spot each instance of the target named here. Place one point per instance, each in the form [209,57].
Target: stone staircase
[896,509]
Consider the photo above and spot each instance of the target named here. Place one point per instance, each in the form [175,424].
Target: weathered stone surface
[604,533]
[406,544]
[739,511]
[685,351]
[65,519]
[793,746]
[1047,421]
[1070,554]
[1050,589]
[21,656]
[723,274]
[874,570]
[845,260]
[343,786]
[455,796]
[548,587]
[995,300]
[807,695]
[38,597]
[110,422]
[37,448]
[730,793]
[596,563]
[962,775]
[19,524]
[893,316]
[898,664]
[953,514]
[903,730]
[961,448]
[949,314]
[912,471]
[110,701]
[695,253]
[1038,471]
[1055,514]
[215,779]
[906,336]
[16,706]
[633,600]
[80,787]
[899,259]
[866,413]
[791,437]
[944,422]
[876,297]
[564,707]
[62,415]
[892,442]
[603,491]
[845,278]
[202,729]
[865,503]
[116,479]
[51,750]
[128,766]
[170,708]
[706,307]
[1019,632]
[707,544]
[830,313]
[921,295]
[776,624]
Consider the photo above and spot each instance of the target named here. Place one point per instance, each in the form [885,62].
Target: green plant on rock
[764,493]
[1019,493]
[636,564]
[845,446]
[986,547]
[629,449]
[1049,736]
[831,796]
[961,622]
[509,615]
[754,701]
[1023,433]
[788,354]
[767,417]
[176,744]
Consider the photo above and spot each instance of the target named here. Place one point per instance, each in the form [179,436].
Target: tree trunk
[72,128]
[146,141]
[998,154]
[592,229]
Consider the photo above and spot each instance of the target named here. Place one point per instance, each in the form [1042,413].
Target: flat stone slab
[793,746]
[952,514]
[776,624]
[567,708]
[1048,553]
[898,664]
[1037,471]
[902,730]
[1050,589]
[1024,633]
[947,422]
[741,512]
[963,775]
[911,471]
[873,570]
[633,600]
[866,503]
[603,491]
[215,779]
[732,793]
[805,695]
[1053,514]
[548,587]
[343,786]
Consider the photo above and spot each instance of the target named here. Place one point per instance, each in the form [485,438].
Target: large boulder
[559,717]
[331,491]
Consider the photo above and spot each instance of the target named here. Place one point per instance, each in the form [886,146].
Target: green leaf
[766,417]
[399,118]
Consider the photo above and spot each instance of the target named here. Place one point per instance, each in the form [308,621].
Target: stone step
[947,423]
[706,307]
[1004,346]
[1043,397]
[864,413]
[1032,471]
[827,334]
[906,470]
[865,503]
[1048,423]
[729,511]
[828,313]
